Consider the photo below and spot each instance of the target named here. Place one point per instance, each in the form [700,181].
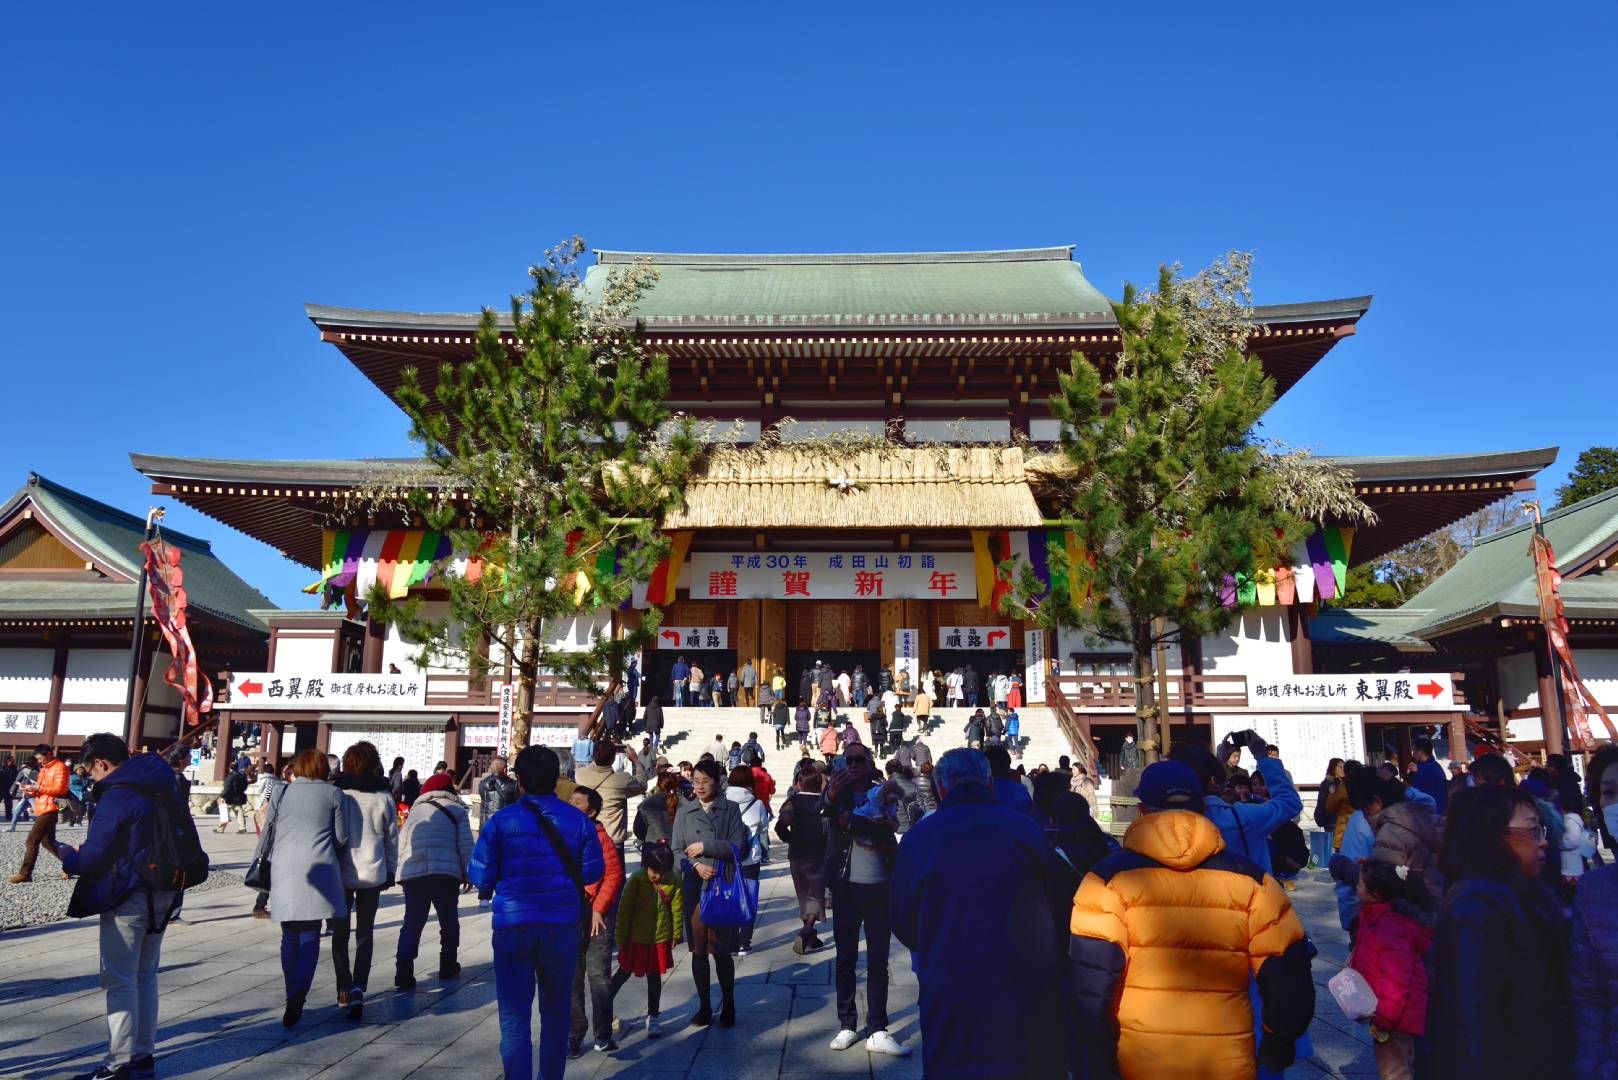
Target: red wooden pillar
[223,755]
[1303,652]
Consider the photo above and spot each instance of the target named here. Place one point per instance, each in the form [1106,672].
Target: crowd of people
[1480,913]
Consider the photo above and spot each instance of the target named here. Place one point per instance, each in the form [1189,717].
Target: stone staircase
[688,733]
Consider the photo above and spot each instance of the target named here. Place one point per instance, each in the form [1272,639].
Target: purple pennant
[1039,559]
[351,559]
[1320,561]
[1227,591]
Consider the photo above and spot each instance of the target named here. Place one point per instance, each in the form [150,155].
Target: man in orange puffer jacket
[1167,934]
[51,785]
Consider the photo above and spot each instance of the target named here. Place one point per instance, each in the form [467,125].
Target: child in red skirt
[651,921]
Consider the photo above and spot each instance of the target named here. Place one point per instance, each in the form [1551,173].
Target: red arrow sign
[1429,689]
[672,636]
[995,634]
[247,689]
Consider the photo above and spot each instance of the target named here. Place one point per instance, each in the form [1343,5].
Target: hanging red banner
[1577,700]
[167,587]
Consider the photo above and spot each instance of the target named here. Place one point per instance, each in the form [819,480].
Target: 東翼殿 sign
[323,690]
[1401,692]
[832,575]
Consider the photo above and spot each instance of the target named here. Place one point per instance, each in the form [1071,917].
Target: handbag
[1352,994]
[258,871]
[729,903]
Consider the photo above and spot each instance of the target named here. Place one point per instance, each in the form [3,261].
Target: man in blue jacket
[132,918]
[679,674]
[968,899]
[1429,778]
[536,856]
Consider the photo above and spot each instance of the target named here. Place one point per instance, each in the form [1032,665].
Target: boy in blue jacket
[132,917]
[536,856]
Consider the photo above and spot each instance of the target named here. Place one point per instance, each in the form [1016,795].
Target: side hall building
[861,557]
[69,566]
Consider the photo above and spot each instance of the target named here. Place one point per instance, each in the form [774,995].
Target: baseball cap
[1169,785]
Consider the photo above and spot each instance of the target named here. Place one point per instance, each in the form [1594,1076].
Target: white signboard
[974,637]
[1402,692]
[553,736]
[508,699]
[907,655]
[1035,668]
[323,690]
[31,722]
[421,747]
[693,637]
[1308,741]
[822,575]
[485,735]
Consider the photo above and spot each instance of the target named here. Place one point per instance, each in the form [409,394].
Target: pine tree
[1595,471]
[1165,482]
[554,458]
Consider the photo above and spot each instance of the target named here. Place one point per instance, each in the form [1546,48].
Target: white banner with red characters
[974,637]
[833,575]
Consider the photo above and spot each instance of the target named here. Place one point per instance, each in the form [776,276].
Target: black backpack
[235,790]
[1289,849]
[175,861]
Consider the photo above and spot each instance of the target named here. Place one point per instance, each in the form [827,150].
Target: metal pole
[138,634]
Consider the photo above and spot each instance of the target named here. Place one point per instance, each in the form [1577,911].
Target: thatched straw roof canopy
[902,487]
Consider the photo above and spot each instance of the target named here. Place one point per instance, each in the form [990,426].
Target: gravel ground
[44,900]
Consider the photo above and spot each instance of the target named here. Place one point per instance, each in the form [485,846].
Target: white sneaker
[881,1042]
[654,1028]
[844,1040]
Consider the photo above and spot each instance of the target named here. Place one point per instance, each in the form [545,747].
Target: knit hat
[1169,785]
[437,782]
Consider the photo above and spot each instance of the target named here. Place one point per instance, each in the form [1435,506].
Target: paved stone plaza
[222,1000]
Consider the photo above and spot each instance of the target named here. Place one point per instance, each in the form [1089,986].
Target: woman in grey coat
[370,864]
[708,832]
[306,828]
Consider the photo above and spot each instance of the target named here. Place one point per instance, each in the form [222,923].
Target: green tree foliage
[549,449]
[1595,471]
[1165,481]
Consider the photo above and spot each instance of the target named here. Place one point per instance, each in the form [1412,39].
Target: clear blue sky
[178,182]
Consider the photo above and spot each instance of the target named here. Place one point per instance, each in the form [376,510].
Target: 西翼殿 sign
[322,690]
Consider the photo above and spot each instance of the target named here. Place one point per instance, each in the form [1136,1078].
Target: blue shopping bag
[728,903]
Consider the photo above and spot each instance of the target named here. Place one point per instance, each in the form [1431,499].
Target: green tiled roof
[1369,626]
[1497,575]
[980,287]
[1025,287]
[114,537]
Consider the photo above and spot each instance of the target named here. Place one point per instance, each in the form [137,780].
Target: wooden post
[53,710]
[773,640]
[376,635]
[1162,662]
[223,756]
[1303,653]
[1550,712]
